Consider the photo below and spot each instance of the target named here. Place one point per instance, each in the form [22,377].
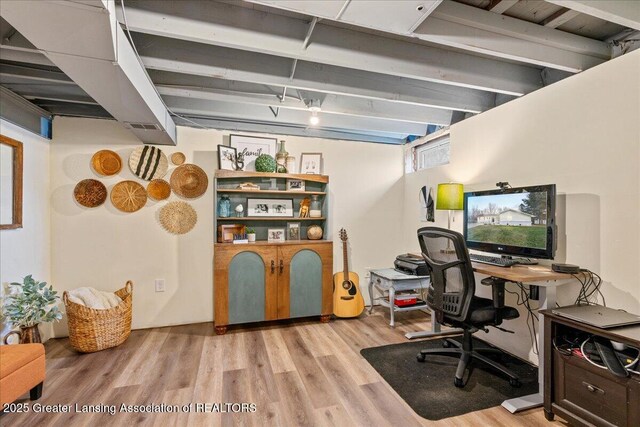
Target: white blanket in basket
[93,298]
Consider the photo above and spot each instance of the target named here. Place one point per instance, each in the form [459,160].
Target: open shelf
[220,173]
[302,193]
[269,218]
[265,243]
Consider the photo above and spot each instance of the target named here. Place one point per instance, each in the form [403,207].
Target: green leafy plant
[30,303]
[251,230]
[265,163]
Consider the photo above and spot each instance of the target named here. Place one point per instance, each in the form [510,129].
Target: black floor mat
[428,387]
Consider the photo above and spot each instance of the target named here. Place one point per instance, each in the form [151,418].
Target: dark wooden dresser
[580,392]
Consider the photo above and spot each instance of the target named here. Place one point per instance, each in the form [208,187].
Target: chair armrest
[497,294]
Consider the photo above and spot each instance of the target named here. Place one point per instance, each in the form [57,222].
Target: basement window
[433,153]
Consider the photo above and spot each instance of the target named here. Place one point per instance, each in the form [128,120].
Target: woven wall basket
[90,193]
[178,217]
[189,181]
[92,330]
[148,163]
[159,189]
[106,162]
[128,196]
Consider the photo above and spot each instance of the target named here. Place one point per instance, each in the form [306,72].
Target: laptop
[597,315]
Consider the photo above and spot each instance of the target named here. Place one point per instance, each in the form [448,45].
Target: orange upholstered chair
[22,369]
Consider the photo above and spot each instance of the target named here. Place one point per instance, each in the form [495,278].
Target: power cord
[522,298]
[590,283]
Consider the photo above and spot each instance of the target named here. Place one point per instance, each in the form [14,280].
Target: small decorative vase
[239,211]
[291,164]
[224,207]
[315,210]
[27,334]
[251,237]
[281,159]
[314,232]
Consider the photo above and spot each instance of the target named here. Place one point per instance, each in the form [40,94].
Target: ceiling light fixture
[314,107]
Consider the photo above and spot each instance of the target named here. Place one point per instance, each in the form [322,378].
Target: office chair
[451,296]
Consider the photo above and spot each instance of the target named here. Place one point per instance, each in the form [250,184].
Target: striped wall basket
[148,163]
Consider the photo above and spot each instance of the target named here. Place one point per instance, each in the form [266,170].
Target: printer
[411,264]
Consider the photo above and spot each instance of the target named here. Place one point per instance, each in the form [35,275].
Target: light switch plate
[159,285]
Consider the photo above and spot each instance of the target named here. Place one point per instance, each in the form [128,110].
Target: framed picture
[11,160]
[275,235]
[293,231]
[227,157]
[250,147]
[270,207]
[295,185]
[311,163]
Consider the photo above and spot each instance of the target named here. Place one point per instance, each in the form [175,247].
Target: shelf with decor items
[270,280]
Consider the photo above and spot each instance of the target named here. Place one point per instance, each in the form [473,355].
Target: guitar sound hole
[347,284]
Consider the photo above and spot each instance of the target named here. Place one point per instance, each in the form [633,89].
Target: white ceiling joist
[200,107]
[623,12]
[196,60]
[469,28]
[248,29]
[562,16]
[501,6]
[84,40]
[239,125]
[332,104]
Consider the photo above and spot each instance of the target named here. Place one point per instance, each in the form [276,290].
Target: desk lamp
[451,198]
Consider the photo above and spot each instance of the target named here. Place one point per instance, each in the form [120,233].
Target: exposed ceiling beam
[252,30]
[87,44]
[17,110]
[201,61]
[562,16]
[473,29]
[623,12]
[34,74]
[501,6]
[259,113]
[332,104]
[34,57]
[223,123]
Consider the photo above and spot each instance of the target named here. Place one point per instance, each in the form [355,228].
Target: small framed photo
[270,207]
[275,235]
[293,231]
[227,157]
[311,163]
[251,147]
[295,185]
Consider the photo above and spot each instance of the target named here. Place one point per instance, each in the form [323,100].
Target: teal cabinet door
[305,284]
[247,288]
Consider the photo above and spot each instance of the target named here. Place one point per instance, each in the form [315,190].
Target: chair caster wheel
[420,357]
[515,383]
[458,382]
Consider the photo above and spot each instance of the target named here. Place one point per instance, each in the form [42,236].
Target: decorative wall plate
[178,217]
[178,158]
[148,163]
[90,193]
[189,181]
[128,196]
[106,162]
[158,189]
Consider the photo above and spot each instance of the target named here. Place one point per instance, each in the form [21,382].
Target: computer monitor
[512,221]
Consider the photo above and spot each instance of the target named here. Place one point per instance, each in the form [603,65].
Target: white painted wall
[25,250]
[103,247]
[583,134]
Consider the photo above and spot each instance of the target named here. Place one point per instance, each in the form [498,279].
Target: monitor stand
[521,261]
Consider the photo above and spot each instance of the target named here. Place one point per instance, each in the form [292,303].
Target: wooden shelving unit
[279,192]
[269,218]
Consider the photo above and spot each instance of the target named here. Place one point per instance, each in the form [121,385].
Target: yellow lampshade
[450,197]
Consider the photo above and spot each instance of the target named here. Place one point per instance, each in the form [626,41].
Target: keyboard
[493,260]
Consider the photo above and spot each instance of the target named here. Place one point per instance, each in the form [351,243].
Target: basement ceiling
[380,71]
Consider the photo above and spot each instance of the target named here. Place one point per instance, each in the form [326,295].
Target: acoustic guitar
[347,299]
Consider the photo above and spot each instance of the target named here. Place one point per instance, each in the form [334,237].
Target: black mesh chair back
[452,281]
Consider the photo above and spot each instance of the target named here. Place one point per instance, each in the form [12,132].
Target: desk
[548,281]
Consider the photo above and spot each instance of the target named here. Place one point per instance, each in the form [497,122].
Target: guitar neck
[345,260]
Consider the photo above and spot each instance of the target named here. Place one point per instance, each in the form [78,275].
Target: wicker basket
[92,330]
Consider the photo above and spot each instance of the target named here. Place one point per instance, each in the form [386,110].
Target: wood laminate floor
[301,373]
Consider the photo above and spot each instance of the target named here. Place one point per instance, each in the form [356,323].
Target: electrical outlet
[159,285]
[367,272]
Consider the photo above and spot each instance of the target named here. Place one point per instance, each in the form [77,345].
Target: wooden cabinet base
[325,318]
[221,330]
[549,415]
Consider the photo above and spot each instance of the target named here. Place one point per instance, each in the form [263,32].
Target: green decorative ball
[265,163]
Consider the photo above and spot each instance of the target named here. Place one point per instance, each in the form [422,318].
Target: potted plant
[251,234]
[27,305]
